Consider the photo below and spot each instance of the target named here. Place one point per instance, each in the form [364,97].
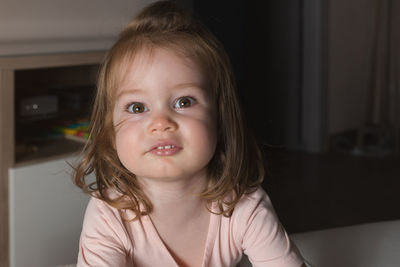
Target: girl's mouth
[165,149]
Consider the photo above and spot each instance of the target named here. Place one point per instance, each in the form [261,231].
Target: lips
[165,148]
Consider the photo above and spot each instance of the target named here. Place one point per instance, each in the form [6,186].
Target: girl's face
[163,117]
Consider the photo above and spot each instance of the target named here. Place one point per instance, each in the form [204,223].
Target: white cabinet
[46,213]
[40,209]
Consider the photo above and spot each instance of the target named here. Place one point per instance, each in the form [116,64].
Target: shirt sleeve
[103,237]
[263,238]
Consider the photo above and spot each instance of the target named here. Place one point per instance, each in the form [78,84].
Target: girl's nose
[162,123]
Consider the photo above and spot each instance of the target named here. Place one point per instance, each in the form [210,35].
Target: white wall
[43,26]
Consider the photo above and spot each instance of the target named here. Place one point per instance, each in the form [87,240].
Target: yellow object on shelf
[68,131]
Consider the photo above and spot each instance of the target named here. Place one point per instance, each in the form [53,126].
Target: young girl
[177,178]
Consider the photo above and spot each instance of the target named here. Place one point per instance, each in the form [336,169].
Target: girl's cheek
[126,135]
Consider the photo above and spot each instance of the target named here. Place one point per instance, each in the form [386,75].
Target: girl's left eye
[184,102]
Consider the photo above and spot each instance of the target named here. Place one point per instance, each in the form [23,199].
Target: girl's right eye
[136,108]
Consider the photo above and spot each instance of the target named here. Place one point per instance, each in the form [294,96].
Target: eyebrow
[178,86]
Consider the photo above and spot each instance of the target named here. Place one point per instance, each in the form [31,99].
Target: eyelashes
[180,103]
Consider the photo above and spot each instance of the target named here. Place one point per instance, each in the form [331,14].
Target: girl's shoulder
[102,208]
[252,205]
[104,230]
[253,210]
[253,213]
[99,210]
[255,199]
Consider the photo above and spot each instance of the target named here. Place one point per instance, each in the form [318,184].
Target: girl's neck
[175,197]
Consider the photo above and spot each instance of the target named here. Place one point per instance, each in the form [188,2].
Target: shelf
[48,150]
[47,99]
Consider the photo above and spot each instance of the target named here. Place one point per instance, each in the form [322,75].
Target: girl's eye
[136,108]
[184,102]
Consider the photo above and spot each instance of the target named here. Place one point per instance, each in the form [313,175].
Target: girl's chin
[161,177]
[167,177]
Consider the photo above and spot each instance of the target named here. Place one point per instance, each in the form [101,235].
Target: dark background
[310,191]
[262,39]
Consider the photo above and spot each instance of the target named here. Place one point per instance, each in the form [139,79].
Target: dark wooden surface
[312,192]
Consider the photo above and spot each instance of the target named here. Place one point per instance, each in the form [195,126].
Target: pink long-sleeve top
[109,240]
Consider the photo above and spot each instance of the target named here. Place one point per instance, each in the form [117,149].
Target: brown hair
[236,167]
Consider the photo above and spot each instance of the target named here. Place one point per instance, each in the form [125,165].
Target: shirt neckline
[213,225]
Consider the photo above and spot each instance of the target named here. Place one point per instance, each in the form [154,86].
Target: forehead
[175,65]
